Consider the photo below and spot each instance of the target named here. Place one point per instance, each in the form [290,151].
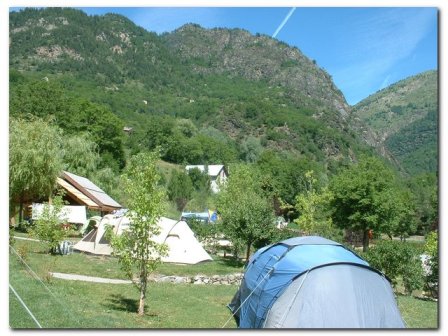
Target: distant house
[127,129]
[217,173]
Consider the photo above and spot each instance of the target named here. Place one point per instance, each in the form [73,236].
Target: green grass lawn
[418,313]
[77,304]
[107,267]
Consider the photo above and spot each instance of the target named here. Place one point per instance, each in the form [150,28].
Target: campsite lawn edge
[176,306]
[108,267]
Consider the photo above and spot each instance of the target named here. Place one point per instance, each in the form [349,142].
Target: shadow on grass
[121,303]
[231,262]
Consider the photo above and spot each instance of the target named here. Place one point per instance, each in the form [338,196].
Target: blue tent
[313,282]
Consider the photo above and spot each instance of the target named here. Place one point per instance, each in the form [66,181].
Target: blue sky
[364,48]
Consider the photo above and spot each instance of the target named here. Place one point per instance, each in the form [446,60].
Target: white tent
[183,246]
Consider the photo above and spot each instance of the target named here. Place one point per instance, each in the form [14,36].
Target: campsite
[212,176]
[102,305]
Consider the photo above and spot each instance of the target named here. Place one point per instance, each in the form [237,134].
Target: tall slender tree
[137,252]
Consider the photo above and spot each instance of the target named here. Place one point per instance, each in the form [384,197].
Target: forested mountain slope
[202,102]
[404,120]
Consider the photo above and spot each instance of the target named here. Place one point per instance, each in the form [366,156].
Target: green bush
[49,226]
[432,276]
[397,260]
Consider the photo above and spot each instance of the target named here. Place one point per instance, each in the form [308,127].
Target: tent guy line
[36,277]
[25,306]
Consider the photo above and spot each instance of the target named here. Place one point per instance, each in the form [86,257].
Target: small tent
[183,246]
[313,282]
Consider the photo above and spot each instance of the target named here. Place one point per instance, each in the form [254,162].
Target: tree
[398,260]
[364,198]
[137,252]
[404,223]
[35,161]
[313,209]
[246,209]
[425,190]
[49,226]
[105,129]
[251,149]
[180,189]
[80,155]
[200,180]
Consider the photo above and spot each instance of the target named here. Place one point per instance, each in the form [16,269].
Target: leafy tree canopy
[246,208]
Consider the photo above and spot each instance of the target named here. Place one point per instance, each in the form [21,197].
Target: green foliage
[35,159]
[245,208]
[404,222]
[80,155]
[105,129]
[313,208]
[425,191]
[251,149]
[405,115]
[49,226]
[137,252]
[432,275]
[398,260]
[286,174]
[199,179]
[180,189]
[365,199]
[38,98]
[207,233]
[416,145]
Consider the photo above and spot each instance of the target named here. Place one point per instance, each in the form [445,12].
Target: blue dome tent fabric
[313,282]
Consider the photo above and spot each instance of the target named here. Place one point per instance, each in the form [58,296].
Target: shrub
[432,263]
[207,234]
[22,251]
[397,260]
[49,226]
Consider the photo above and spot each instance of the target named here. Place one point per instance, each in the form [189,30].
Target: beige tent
[183,246]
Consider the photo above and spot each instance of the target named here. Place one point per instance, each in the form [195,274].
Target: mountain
[203,95]
[259,58]
[403,122]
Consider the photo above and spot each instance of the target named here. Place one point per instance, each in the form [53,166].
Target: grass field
[75,304]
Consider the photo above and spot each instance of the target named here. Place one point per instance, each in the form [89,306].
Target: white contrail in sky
[284,21]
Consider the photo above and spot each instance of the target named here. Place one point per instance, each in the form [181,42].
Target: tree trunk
[365,241]
[12,215]
[249,244]
[143,283]
[21,210]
